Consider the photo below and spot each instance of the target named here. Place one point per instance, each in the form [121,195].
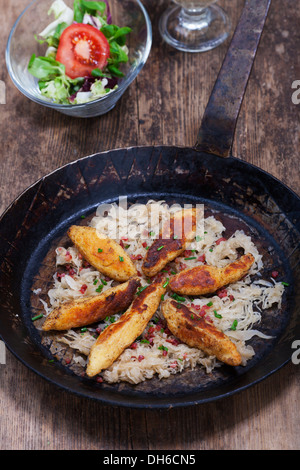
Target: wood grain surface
[163,106]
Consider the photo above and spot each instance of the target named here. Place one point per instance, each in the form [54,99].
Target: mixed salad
[84,55]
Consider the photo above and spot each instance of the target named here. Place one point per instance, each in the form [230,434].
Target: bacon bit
[201,258]
[68,361]
[174,365]
[145,244]
[124,238]
[203,312]
[222,239]
[231,298]
[79,255]
[99,379]
[71,272]
[197,307]
[187,253]
[182,266]
[140,358]
[121,243]
[165,352]
[132,357]
[68,256]
[173,341]
[136,257]
[83,288]
[133,346]
[148,338]
[60,275]
[98,330]
[158,276]
[139,273]
[221,293]
[275,274]
[151,330]
[167,331]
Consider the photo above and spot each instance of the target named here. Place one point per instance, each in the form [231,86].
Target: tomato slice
[81,49]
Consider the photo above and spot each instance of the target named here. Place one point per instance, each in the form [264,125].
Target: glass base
[192,31]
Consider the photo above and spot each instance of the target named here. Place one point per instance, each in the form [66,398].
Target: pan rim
[146,147]
[156,403]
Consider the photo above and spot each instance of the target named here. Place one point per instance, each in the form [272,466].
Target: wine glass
[194,25]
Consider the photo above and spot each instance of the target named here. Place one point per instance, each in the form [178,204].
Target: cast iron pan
[241,195]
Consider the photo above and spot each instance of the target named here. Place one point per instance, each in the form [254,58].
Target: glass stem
[195,18]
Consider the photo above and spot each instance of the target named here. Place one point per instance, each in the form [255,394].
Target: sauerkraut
[236,310]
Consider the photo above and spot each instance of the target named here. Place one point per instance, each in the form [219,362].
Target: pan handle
[217,129]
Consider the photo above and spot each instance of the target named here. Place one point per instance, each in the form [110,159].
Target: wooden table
[163,106]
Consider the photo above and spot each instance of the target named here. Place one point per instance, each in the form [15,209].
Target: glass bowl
[22,44]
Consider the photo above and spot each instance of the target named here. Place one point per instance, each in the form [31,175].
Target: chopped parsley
[141,289]
[178,297]
[217,315]
[37,317]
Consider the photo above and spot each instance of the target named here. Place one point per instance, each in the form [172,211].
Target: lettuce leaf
[53,40]
[62,13]
[53,82]
[97,90]
[116,37]
[45,68]
[81,7]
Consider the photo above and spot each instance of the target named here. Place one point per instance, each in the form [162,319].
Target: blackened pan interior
[241,195]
